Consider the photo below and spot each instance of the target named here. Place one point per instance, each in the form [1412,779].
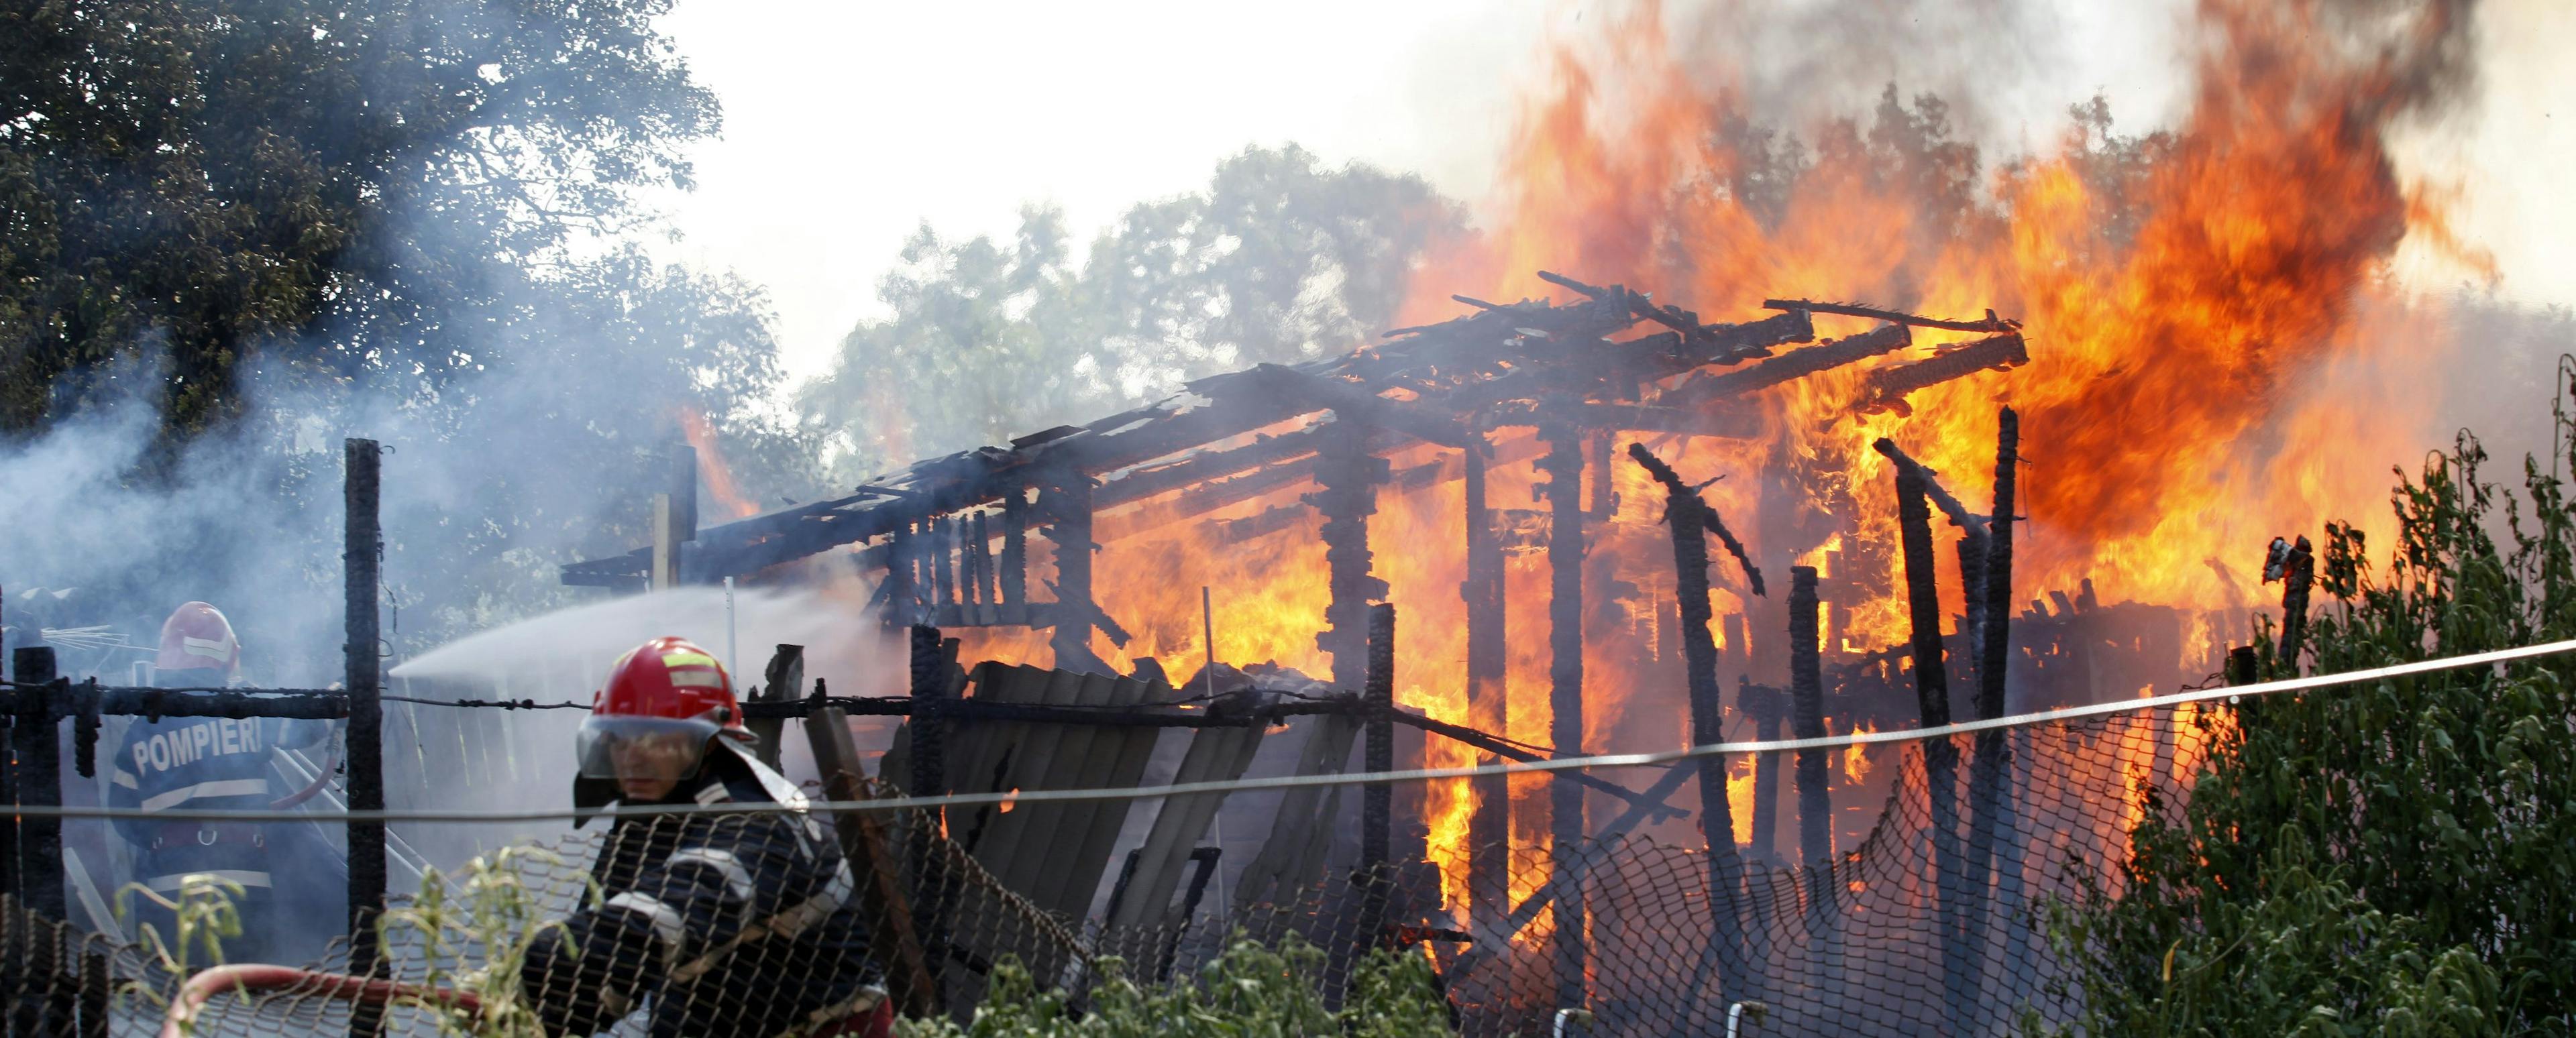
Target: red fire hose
[255,977]
[329,765]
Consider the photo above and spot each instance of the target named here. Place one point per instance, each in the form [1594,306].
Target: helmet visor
[659,748]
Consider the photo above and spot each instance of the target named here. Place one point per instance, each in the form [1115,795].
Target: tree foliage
[324,183]
[1279,259]
[2394,857]
[267,224]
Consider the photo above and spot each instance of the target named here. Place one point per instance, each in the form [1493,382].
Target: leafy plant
[2390,857]
[1247,991]
[492,919]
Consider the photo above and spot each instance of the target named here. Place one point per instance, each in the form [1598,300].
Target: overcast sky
[850,122]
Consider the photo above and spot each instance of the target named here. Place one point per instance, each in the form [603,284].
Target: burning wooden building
[1252,521]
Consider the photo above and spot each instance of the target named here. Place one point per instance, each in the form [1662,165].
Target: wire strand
[1613,760]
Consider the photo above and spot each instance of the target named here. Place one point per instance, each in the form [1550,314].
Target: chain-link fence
[787,921]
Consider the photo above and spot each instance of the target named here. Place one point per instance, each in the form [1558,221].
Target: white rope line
[1612,760]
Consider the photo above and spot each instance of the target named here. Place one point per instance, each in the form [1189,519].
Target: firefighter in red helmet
[728,924]
[221,763]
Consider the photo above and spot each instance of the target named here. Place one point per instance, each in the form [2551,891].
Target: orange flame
[2201,376]
[712,467]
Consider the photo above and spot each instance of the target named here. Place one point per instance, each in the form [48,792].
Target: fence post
[1940,756]
[360,558]
[1489,828]
[38,752]
[1377,800]
[929,692]
[1997,646]
[894,943]
[1563,464]
[1377,810]
[1807,721]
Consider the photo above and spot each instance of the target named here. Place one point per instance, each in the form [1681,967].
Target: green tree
[1279,259]
[319,183]
[2392,857]
[267,224]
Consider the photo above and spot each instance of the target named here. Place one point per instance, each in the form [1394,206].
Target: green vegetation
[2396,857]
[1248,992]
[471,935]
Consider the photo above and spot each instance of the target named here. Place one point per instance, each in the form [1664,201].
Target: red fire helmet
[665,700]
[197,637]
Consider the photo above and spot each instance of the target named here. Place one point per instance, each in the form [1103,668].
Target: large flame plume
[2201,376]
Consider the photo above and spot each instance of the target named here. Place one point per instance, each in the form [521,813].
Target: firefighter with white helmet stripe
[220,763]
[727,924]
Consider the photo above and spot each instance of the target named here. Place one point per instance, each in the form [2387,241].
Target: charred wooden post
[901,605]
[943,562]
[1014,587]
[1377,800]
[1991,851]
[1940,756]
[1687,515]
[362,554]
[1999,594]
[1690,519]
[932,549]
[1807,721]
[1377,811]
[895,943]
[1489,828]
[970,561]
[1766,706]
[1066,500]
[987,587]
[1972,582]
[666,542]
[1563,464]
[1347,475]
[683,473]
[37,758]
[2243,665]
[928,730]
[2294,564]
[928,725]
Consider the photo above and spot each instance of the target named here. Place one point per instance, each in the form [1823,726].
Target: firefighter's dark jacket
[719,924]
[200,763]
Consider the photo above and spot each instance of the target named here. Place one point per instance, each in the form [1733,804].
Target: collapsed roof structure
[1563,369]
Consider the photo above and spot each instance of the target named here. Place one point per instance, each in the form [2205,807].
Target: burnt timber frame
[1213,443]
[1577,372]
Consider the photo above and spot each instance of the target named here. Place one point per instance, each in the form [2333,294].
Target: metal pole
[360,559]
[40,781]
[732,659]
